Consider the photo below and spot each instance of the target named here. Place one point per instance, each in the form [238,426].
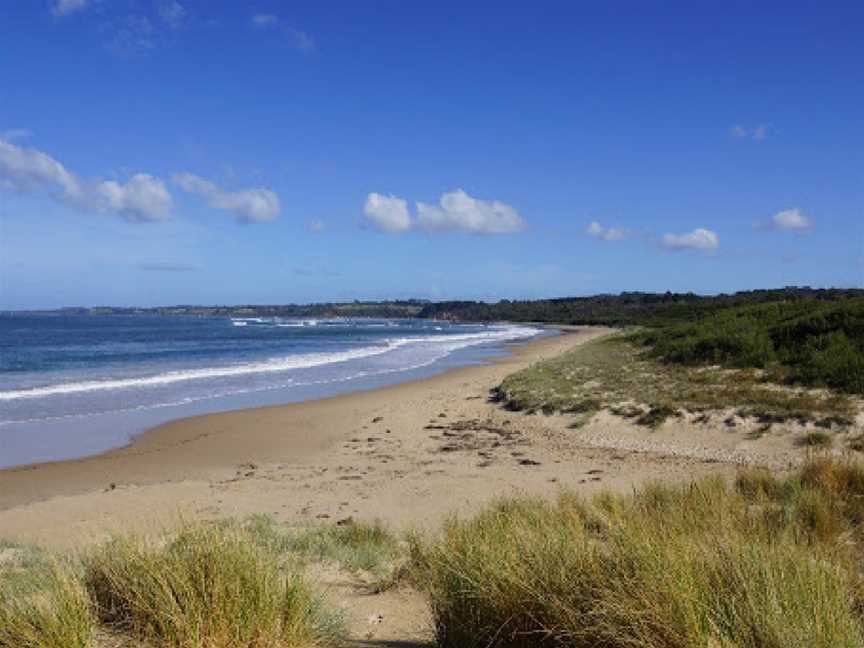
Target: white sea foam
[443,344]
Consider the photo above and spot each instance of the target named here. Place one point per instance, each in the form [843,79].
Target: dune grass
[215,585]
[209,586]
[765,563]
[616,373]
[42,602]
[361,548]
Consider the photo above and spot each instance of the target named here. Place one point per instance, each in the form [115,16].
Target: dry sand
[408,455]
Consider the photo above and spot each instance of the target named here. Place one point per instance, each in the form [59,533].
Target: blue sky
[191,151]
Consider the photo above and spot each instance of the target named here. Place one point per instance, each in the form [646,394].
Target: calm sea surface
[76,385]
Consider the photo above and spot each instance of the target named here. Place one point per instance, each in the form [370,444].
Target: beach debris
[376,618]
[377,419]
[528,462]
[347,521]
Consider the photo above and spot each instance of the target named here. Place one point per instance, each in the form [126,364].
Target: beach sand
[408,455]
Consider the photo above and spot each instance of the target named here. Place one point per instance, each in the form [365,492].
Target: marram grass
[767,563]
[210,586]
[44,606]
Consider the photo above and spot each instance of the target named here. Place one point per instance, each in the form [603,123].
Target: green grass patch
[765,563]
[618,374]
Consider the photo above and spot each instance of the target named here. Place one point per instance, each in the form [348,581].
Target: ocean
[76,385]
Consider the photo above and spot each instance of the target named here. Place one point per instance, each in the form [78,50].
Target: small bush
[210,586]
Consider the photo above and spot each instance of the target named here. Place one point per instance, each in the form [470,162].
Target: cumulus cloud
[142,198]
[790,219]
[758,132]
[387,213]
[172,13]
[700,239]
[65,7]
[596,230]
[256,205]
[457,211]
[26,169]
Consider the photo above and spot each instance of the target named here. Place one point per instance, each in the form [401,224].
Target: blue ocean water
[76,385]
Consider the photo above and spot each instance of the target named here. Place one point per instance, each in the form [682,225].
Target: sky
[157,152]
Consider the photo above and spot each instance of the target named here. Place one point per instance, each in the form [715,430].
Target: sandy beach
[408,454]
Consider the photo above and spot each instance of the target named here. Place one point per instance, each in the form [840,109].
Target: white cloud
[699,239]
[317,226]
[790,219]
[172,13]
[387,213]
[758,132]
[596,230]
[265,20]
[142,199]
[25,169]
[458,211]
[256,205]
[66,7]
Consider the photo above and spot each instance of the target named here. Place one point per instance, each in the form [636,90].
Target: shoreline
[409,455]
[205,445]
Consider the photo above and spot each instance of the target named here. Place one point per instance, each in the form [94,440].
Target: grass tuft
[767,562]
[42,602]
[210,586]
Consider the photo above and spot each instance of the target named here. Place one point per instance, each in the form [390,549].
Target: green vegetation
[806,342]
[210,585]
[817,439]
[42,601]
[360,548]
[626,309]
[615,373]
[767,563]
[206,586]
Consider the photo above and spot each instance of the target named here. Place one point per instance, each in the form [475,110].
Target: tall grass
[210,586]
[42,601]
[767,563]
